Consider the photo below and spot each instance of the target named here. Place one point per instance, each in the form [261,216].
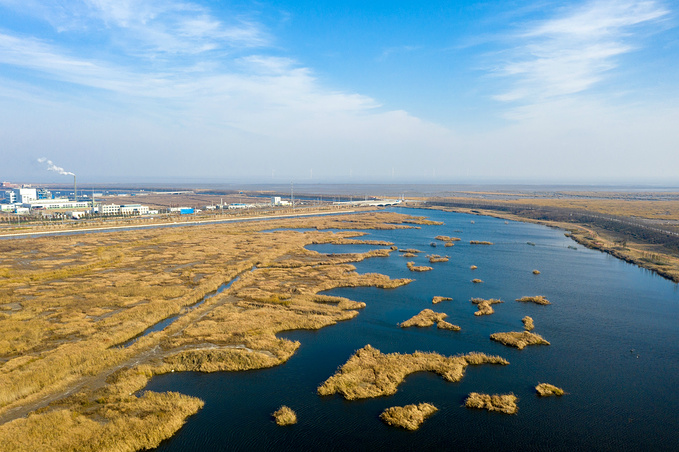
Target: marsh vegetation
[409,417]
[82,296]
[538,299]
[546,390]
[484,306]
[371,373]
[418,268]
[285,416]
[519,339]
[503,403]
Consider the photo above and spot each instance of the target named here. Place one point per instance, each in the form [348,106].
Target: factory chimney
[75,190]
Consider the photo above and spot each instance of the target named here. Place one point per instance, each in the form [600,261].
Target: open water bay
[613,328]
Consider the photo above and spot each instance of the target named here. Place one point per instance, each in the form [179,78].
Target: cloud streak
[570,54]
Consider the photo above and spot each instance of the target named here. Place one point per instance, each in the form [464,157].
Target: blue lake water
[613,328]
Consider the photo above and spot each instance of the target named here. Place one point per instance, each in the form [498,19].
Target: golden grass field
[69,303]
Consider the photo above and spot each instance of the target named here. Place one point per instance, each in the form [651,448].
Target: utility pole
[292,196]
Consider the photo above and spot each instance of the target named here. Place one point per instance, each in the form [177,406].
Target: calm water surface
[614,330]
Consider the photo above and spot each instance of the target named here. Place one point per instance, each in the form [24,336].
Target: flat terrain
[640,227]
[76,349]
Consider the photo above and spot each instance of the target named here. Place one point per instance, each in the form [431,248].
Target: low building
[134,209]
[57,203]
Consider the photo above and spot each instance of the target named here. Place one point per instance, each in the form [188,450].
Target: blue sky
[350,91]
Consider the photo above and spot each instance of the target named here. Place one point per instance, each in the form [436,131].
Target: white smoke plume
[52,167]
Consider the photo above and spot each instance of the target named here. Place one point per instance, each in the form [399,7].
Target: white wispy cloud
[571,53]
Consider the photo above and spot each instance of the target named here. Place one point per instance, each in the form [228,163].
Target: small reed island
[538,299]
[285,416]
[438,299]
[409,252]
[519,339]
[418,268]
[427,318]
[409,417]
[484,306]
[371,373]
[528,324]
[433,258]
[547,390]
[536,272]
[477,281]
[447,241]
[479,242]
[503,403]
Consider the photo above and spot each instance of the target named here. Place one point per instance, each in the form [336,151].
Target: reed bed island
[410,417]
[77,347]
[371,373]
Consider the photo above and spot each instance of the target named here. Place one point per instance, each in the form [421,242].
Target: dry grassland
[370,373]
[73,300]
[484,306]
[519,339]
[409,417]
[546,390]
[285,416]
[504,403]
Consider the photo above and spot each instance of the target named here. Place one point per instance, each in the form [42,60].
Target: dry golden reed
[503,403]
[484,306]
[519,339]
[538,299]
[370,373]
[415,268]
[546,390]
[528,324]
[285,416]
[409,417]
[438,299]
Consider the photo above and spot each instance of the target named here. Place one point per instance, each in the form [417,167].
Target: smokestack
[75,190]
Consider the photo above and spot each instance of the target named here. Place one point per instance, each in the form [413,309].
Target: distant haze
[181,91]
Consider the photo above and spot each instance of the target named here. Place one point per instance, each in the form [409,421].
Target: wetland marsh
[616,397]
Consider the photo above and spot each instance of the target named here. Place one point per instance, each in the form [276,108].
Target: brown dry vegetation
[536,272]
[477,281]
[410,250]
[473,267]
[479,242]
[504,403]
[528,324]
[285,416]
[409,417]
[424,319]
[418,268]
[74,299]
[445,238]
[437,299]
[546,390]
[370,373]
[519,339]
[433,258]
[538,299]
[443,325]
[484,306]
